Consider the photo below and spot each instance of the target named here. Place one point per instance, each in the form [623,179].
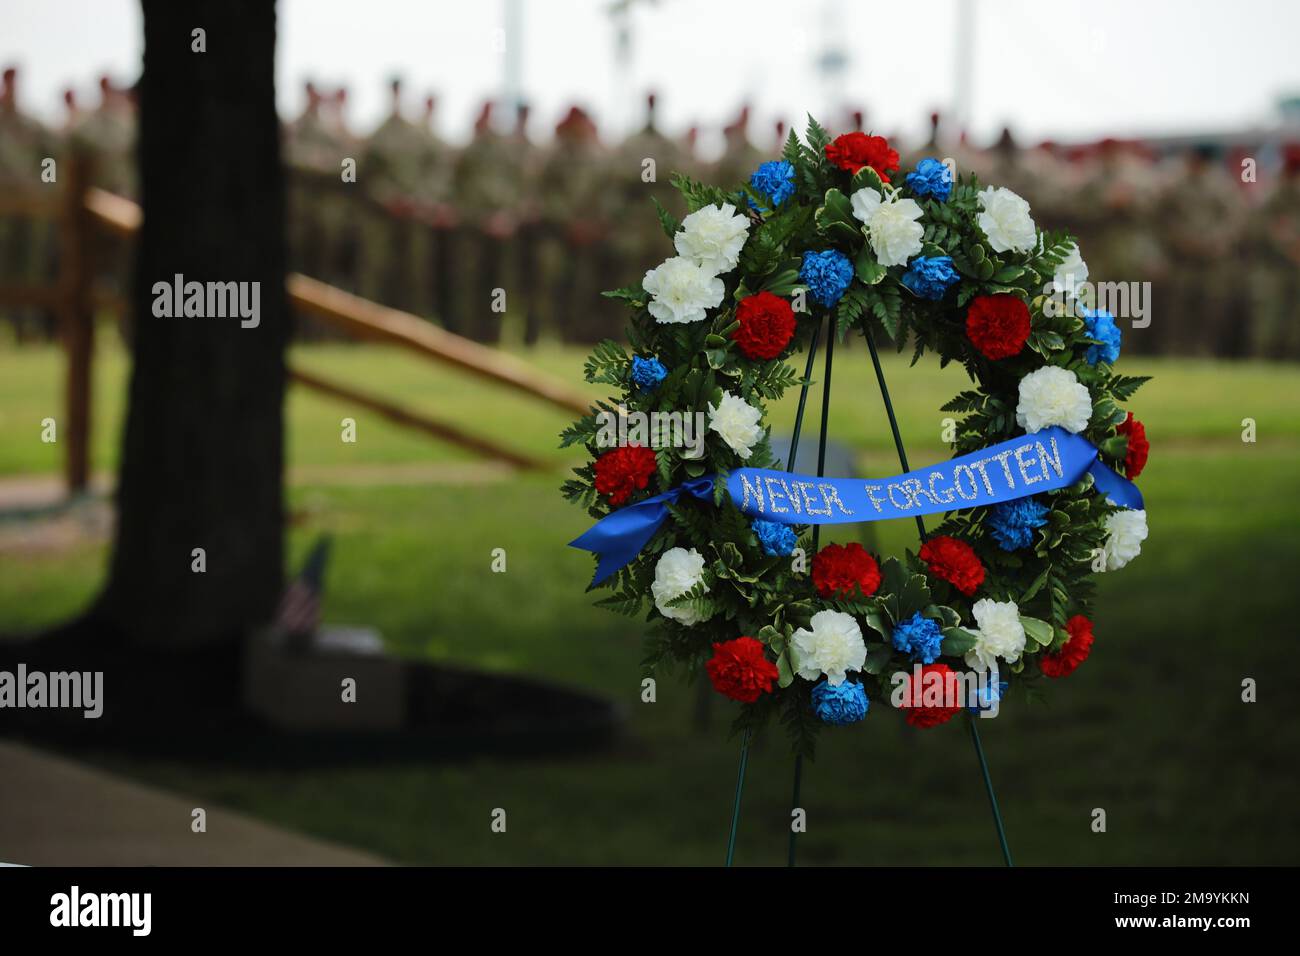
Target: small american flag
[298,614]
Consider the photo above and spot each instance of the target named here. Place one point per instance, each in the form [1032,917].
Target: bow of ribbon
[619,537]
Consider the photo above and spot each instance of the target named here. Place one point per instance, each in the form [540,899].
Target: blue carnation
[840,704]
[920,637]
[774,180]
[930,277]
[1013,522]
[827,274]
[778,540]
[647,373]
[1101,326]
[932,178]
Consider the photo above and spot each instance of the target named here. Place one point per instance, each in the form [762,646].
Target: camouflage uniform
[740,157]
[487,192]
[578,205]
[389,173]
[1273,256]
[529,282]
[1112,213]
[1201,215]
[323,231]
[108,135]
[639,242]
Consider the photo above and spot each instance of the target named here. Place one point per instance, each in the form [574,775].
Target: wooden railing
[81,210]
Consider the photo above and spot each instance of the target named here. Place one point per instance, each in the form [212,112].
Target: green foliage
[666,219]
[608,364]
[698,195]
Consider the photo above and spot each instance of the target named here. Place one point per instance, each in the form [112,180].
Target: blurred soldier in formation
[642,169]
[391,173]
[487,190]
[579,203]
[1034,174]
[690,151]
[106,137]
[1273,248]
[528,280]
[739,157]
[72,112]
[314,157]
[1111,210]
[911,155]
[107,134]
[1201,215]
[778,144]
[26,242]
[437,210]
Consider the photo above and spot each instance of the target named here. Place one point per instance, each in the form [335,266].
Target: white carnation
[1053,396]
[1000,634]
[1071,273]
[833,647]
[1006,221]
[712,238]
[737,422]
[891,224]
[1125,532]
[676,573]
[681,291]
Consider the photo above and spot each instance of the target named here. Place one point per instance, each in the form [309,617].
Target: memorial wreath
[1038,498]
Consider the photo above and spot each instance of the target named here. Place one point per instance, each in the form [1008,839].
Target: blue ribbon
[1044,461]
[619,537]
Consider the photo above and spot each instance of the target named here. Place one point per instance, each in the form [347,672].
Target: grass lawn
[1152,729]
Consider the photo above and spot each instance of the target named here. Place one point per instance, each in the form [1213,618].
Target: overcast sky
[1065,69]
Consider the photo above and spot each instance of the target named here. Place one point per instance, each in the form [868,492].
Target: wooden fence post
[76,320]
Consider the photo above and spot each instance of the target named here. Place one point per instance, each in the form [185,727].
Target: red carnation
[1138,446]
[624,470]
[998,325]
[766,326]
[1074,652]
[852,151]
[740,670]
[841,570]
[953,561]
[919,715]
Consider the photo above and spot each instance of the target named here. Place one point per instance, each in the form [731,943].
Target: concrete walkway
[54,812]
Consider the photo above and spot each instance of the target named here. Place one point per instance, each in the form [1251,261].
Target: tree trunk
[203,444]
